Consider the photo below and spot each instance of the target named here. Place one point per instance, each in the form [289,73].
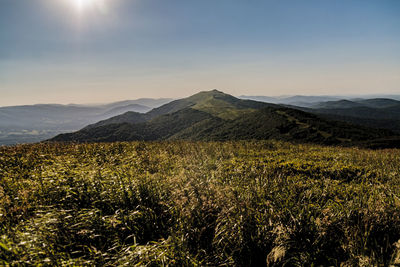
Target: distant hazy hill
[147,102]
[213,115]
[342,104]
[309,101]
[298,100]
[378,112]
[32,123]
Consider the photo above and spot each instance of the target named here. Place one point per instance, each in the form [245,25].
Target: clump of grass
[199,203]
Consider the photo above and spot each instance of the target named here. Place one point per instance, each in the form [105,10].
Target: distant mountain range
[210,115]
[33,123]
[307,101]
[377,113]
[214,115]
[297,100]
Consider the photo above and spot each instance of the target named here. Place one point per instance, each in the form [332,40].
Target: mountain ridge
[376,113]
[214,115]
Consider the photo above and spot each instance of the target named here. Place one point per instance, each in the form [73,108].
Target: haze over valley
[35,123]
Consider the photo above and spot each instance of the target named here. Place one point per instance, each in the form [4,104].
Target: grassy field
[199,203]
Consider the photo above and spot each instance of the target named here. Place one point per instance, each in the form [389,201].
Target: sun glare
[86,5]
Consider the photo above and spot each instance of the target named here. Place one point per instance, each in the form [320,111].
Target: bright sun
[82,5]
[85,5]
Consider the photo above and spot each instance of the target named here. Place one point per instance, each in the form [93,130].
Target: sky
[88,51]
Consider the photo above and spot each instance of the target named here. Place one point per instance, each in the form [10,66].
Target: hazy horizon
[349,96]
[100,51]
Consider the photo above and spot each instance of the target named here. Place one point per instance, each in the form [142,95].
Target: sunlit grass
[199,203]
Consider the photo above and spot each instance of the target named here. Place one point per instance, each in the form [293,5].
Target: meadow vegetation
[182,203]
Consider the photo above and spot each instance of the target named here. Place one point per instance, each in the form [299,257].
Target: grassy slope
[207,120]
[210,105]
[185,203]
[375,113]
[292,125]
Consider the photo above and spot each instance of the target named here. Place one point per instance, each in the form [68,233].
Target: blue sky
[52,51]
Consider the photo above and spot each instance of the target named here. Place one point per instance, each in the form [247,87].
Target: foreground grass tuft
[199,203]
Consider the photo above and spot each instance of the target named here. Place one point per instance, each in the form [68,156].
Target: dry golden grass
[199,203]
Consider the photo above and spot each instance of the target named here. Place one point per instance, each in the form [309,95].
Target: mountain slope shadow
[213,115]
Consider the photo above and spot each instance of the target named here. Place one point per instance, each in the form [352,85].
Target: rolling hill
[312,100]
[33,123]
[213,115]
[376,113]
[297,100]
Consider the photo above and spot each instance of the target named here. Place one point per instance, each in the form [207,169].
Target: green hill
[379,113]
[214,115]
